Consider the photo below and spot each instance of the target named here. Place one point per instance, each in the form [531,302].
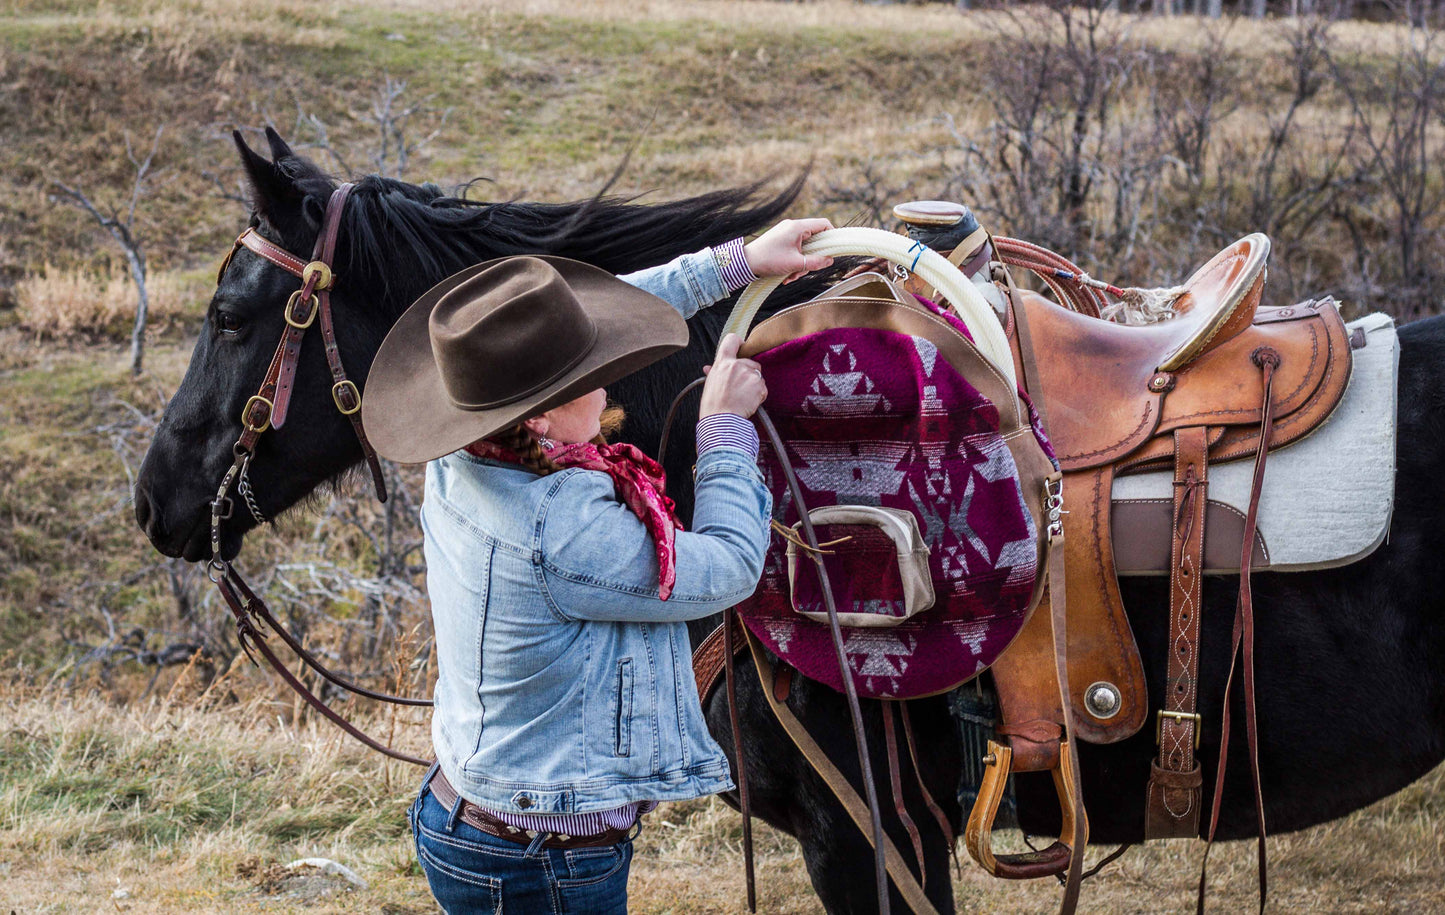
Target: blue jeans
[472,872]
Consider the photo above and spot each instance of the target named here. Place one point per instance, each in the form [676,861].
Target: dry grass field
[185,803]
[191,804]
[139,776]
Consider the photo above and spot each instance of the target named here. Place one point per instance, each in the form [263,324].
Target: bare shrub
[1067,156]
[1139,157]
[870,196]
[1398,115]
[1189,99]
[122,229]
[1280,168]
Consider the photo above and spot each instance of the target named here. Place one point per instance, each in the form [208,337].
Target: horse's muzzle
[189,540]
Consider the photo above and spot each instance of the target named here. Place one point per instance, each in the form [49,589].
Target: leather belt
[479,818]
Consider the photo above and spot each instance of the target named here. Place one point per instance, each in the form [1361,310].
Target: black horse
[1351,691]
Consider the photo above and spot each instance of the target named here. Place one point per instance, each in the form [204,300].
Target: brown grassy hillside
[1134,145]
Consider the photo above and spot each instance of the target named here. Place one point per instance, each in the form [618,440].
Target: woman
[559,578]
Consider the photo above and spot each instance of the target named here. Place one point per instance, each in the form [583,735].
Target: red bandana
[638,480]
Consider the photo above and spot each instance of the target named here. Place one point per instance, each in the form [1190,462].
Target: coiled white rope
[930,266]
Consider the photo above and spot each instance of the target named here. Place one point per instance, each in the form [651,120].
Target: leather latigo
[1174,782]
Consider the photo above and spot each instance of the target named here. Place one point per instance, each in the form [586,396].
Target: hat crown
[508,332]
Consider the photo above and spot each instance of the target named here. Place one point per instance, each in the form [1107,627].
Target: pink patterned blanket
[877,418]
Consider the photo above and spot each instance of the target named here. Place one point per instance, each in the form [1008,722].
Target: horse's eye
[228,323]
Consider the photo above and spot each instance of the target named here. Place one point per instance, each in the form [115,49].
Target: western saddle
[1223,379]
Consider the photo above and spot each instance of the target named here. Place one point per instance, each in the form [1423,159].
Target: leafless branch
[393,121]
[123,231]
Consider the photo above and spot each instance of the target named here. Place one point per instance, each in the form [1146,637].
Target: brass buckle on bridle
[346,384]
[311,300]
[246,411]
[1178,716]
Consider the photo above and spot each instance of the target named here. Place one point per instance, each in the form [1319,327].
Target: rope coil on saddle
[1080,292]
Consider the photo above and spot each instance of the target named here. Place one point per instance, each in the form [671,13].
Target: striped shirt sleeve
[732,263]
[726,430]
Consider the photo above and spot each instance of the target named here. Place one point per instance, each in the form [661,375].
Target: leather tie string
[1268,360]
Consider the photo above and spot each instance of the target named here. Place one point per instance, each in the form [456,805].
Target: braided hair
[519,439]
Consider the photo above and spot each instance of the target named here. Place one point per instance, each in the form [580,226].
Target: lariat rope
[1080,292]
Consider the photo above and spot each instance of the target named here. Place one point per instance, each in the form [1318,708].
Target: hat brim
[408,414]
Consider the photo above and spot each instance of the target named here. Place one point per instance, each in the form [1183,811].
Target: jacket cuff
[705,281]
[727,459]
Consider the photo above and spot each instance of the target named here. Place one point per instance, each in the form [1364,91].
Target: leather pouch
[879,573]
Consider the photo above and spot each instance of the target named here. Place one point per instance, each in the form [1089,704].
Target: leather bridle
[267,409]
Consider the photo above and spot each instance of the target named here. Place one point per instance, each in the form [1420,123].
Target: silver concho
[1102,699]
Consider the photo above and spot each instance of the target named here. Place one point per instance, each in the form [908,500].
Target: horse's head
[192,449]
[396,240]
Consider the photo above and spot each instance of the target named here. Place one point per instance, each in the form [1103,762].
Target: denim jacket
[565,684]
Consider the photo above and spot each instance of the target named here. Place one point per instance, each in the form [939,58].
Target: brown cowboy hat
[505,340]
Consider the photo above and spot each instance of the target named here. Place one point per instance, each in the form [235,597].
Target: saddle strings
[790,535]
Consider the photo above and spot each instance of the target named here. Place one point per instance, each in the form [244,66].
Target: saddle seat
[1109,399]
[1216,303]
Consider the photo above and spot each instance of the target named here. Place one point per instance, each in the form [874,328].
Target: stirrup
[978,836]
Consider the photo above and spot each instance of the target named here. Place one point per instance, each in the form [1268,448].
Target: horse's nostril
[142,508]
[144,511]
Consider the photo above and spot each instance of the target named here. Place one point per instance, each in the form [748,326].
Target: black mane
[436,234]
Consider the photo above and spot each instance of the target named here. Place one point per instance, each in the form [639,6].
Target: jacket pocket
[622,735]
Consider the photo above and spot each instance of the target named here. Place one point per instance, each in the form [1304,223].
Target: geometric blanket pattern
[876,418]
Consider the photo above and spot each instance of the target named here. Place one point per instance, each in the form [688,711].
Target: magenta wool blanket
[877,418]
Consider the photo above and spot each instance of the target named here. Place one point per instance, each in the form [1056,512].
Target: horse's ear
[274,194]
[279,149]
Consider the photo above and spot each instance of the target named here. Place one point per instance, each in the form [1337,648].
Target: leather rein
[267,409]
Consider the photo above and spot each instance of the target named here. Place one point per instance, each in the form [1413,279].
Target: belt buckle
[348,388]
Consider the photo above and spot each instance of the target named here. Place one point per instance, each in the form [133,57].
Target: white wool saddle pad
[1327,498]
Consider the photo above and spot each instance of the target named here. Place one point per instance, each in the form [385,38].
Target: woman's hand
[733,385]
[779,251]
